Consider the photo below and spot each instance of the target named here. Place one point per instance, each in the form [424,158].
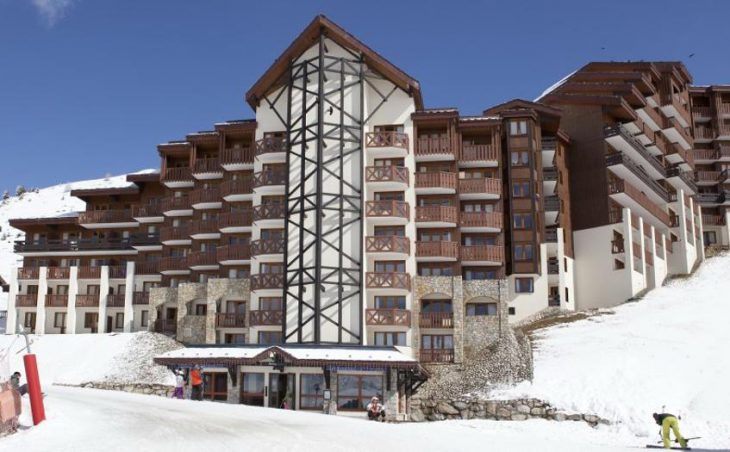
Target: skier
[669,421]
[179,384]
[15,384]
[196,380]
[376,412]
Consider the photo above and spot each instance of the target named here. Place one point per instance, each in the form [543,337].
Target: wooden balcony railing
[443,355]
[72,245]
[388,280]
[398,209]
[87,300]
[145,239]
[436,320]
[265,317]
[386,139]
[56,300]
[274,211]
[551,235]
[478,153]
[388,317]
[240,218]
[621,186]
[269,178]
[106,216]
[267,281]
[707,176]
[701,112]
[552,203]
[271,246]
[619,158]
[240,252]
[449,250]
[232,156]
[174,233]
[165,326]
[169,263]
[706,133]
[58,272]
[151,209]
[484,185]
[387,174]
[175,203]
[207,165]
[205,195]
[181,174]
[434,145]
[207,226]
[441,214]
[240,186]
[269,145]
[482,253]
[141,298]
[230,320]
[713,220]
[197,258]
[89,272]
[28,273]
[115,301]
[147,267]
[440,179]
[118,271]
[29,300]
[387,244]
[724,108]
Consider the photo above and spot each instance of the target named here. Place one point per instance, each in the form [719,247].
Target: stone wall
[158,297]
[137,388]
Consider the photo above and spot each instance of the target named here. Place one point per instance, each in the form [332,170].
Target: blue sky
[90,87]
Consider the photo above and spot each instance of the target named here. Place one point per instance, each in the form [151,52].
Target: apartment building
[711,126]
[632,183]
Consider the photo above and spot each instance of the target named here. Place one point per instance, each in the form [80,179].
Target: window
[271,269]
[390,302]
[523,252]
[269,337]
[234,339]
[518,127]
[710,237]
[29,321]
[388,231]
[355,391]
[252,389]
[521,189]
[479,309]
[522,221]
[567,299]
[476,273]
[477,207]
[435,306]
[59,320]
[311,392]
[478,240]
[272,234]
[437,348]
[388,162]
[119,320]
[520,158]
[390,266]
[434,236]
[144,320]
[523,285]
[91,320]
[270,303]
[390,339]
[201,309]
[32,289]
[511,311]
[390,196]
[239,273]
[215,386]
[435,270]
[93,289]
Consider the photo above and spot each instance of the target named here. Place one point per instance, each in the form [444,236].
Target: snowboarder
[669,421]
[15,384]
[196,380]
[179,384]
[376,412]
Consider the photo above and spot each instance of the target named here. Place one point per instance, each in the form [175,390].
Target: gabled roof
[307,38]
[521,104]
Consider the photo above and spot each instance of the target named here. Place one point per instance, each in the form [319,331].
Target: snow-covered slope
[667,351]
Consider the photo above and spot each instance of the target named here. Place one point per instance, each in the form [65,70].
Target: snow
[300,353]
[666,352]
[554,86]
[80,420]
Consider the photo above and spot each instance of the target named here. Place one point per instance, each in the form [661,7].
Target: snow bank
[667,351]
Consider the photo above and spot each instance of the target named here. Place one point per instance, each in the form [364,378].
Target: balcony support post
[129,298]
[103,294]
[683,237]
[73,290]
[12,319]
[40,316]
[628,248]
[642,244]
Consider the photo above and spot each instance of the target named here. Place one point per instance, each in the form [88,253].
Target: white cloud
[52,10]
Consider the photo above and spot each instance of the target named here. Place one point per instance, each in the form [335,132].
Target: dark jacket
[15,382]
[659,418]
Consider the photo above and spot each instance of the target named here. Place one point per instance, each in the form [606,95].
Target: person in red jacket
[196,381]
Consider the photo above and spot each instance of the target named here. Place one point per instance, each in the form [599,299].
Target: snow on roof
[146,171]
[554,86]
[479,118]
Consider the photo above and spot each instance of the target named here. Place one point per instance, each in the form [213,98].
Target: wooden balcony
[264,281]
[707,177]
[620,161]
[386,139]
[392,174]
[230,320]
[165,326]
[58,272]
[713,220]
[118,271]
[446,216]
[203,196]
[182,174]
[269,178]
[240,252]
[436,182]
[391,209]
[205,227]
[207,165]
[478,153]
[387,244]
[141,298]
[87,300]
[436,355]
[29,300]
[115,300]
[272,246]
[106,216]
[270,145]
[265,317]
[388,317]
[483,253]
[388,280]
[238,219]
[28,273]
[170,233]
[617,246]
[618,186]
[150,209]
[237,156]
[701,112]
[704,133]
[203,259]
[436,320]
[145,239]
[437,251]
[173,263]
[172,203]
[237,187]
[274,211]
[436,147]
[552,203]
[485,187]
[56,300]
[87,272]
[147,267]
[724,108]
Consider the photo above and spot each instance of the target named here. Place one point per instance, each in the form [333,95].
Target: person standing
[15,384]
[179,385]
[196,380]
[376,411]
[669,421]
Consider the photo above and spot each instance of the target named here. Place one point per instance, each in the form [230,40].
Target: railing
[618,129]
[58,272]
[623,159]
[686,176]
[552,203]
[553,301]
[147,267]
[478,152]
[165,326]
[706,154]
[387,244]
[197,258]
[115,300]
[230,320]
[267,281]
[174,233]
[240,252]
[145,239]
[433,145]
[387,174]
[232,156]
[263,317]
[269,145]
[448,250]
[551,235]
[141,298]
[386,139]
[387,209]
[207,226]
[388,317]
[440,179]
[549,174]
[484,253]
[240,186]
[706,133]
[87,300]
[713,220]
[617,246]
[481,219]
[553,267]
[175,203]
[549,143]
[181,174]
[441,355]
[72,245]
[269,177]
[481,185]
[271,246]
[118,271]
[56,300]
[26,300]
[169,263]
[388,280]
[707,176]
[151,209]
[207,165]
[621,186]
[445,214]
[274,211]
[241,218]
[205,195]
[701,112]
[105,216]
[436,320]
[725,108]
[686,155]
[87,272]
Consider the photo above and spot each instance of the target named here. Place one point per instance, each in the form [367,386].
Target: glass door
[252,389]
[281,391]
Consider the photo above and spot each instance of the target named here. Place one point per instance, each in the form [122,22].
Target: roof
[110,191]
[521,104]
[321,24]
[68,218]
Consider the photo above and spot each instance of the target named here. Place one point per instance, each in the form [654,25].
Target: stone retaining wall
[136,388]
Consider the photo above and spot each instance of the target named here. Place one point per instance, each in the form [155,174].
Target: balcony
[624,143]
[270,182]
[704,134]
[236,159]
[141,298]
[675,107]
[146,241]
[713,220]
[707,177]
[26,300]
[388,212]
[174,265]
[207,168]
[437,216]
[176,206]
[87,272]
[205,229]
[436,183]
[552,203]
[87,300]
[702,112]
[240,189]
[387,144]
[710,199]
[675,131]
[274,211]
[482,254]
[80,246]
[434,148]
[234,254]
[625,168]
[436,320]
[677,155]
[230,320]
[265,317]
[175,235]
[239,221]
[151,212]
[553,266]
[480,188]
[118,271]
[681,179]
[388,317]
[147,267]
[387,177]
[121,218]
[629,196]
[267,247]
[437,251]
[165,326]
[267,281]
[56,300]
[550,175]
[388,280]
[271,149]
[724,109]
[180,177]
[115,300]
[478,155]
[206,198]
[705,155]
[481,221]
[393,246]
[203,260]
[551,235]
[58,272]
[436,356]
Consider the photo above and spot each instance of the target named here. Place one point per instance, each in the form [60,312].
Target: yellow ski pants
[671,422]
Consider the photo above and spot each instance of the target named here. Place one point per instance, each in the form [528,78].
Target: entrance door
[252,389]
[281,391]
[171,314]
[109,325]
